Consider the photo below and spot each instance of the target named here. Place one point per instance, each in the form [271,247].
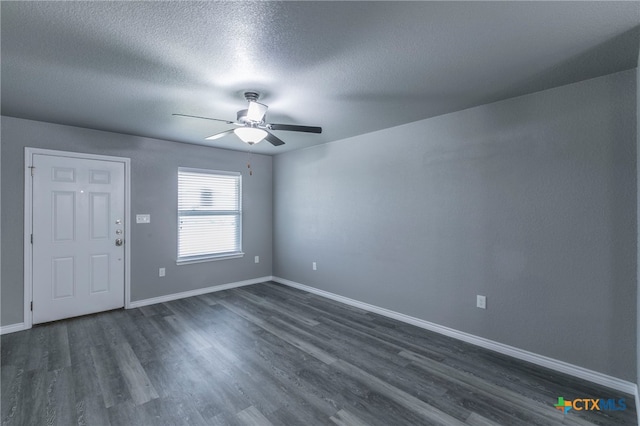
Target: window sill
[209,258]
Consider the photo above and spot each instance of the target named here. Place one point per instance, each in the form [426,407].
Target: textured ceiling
[350,67]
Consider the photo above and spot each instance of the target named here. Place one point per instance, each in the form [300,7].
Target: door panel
[78,205]
[63,277]
[99,273]
[99,206]
[64,215]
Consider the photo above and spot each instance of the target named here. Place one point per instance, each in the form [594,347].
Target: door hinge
[31,238]
[32,305]
[32,169]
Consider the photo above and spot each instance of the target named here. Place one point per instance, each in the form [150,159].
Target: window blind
[209,214]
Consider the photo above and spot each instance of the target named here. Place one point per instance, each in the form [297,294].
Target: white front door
[78,236]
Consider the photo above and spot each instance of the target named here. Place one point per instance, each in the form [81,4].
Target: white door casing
[79,209]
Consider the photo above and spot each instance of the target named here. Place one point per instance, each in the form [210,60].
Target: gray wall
[154,166]
[529,201]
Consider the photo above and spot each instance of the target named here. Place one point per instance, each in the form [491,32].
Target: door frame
[28,221]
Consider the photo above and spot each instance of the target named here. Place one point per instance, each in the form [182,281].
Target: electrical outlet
[256,259]
[161,272]
[314,266]
[481,302]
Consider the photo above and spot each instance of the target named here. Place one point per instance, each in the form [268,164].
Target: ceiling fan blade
[204,118]
[219,135]
[273,139]
[294,128]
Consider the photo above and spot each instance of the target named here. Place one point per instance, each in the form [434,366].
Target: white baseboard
[197,292]
[553,364]
[13,328]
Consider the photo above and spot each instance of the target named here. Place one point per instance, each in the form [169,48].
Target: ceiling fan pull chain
[249,162]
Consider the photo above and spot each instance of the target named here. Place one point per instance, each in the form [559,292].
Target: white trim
[637,394]
[213,258]
[128,230]
[553,364]
[28,230]
[28,222]
[12,328]
[197,292]
[208,171]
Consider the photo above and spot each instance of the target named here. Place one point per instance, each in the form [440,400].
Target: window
[209,215]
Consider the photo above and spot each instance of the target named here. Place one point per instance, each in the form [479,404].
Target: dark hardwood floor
[271,355]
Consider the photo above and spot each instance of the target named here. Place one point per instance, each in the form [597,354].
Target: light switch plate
[143,218]
[481,302]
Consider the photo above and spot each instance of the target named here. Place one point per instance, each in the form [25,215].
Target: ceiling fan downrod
[252,96]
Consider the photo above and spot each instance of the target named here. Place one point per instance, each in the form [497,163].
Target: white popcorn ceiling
[350,67]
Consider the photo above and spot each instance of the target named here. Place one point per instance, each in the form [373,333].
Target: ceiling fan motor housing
[242,116]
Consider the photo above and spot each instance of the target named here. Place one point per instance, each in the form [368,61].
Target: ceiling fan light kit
[250,135]
[253,127]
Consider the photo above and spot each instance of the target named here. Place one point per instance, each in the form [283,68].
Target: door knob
[119,241]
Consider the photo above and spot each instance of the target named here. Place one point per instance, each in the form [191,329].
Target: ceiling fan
[253,127]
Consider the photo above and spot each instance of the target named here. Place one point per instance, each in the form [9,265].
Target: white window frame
[211,256]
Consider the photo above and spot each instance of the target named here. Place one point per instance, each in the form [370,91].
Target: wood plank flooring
[272,355]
